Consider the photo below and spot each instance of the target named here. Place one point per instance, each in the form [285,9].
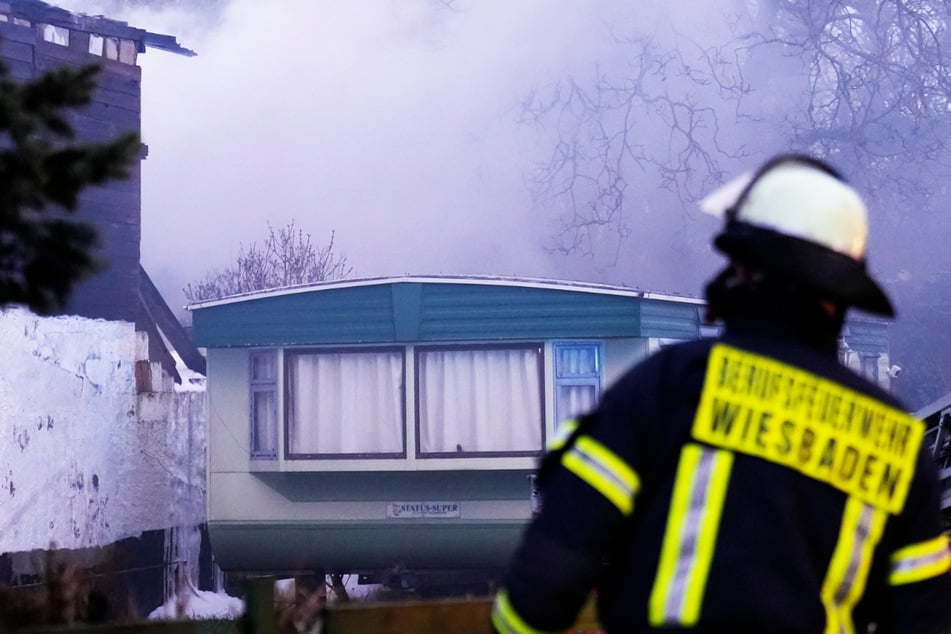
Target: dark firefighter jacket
[752,484]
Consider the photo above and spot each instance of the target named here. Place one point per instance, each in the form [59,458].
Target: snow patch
[199,604]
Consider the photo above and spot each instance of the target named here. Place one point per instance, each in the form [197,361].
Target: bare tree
[876,101]
[652,123]
[876,90]
[288,257]
[865,84]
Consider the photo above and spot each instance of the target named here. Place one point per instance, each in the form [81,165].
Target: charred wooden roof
[37,11]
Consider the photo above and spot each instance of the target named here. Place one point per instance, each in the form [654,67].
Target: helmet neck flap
[760,303]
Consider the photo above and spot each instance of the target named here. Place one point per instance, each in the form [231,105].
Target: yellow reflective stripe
[506,620]
[561,434]
[921,549]
[706,544]
[604,471]
[670,549]
[861,530]
[693,522]
[920,561]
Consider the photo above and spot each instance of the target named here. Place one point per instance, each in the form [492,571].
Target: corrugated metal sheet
[867,336]
[406,311]
[351,315]
[452,311]
[670,320]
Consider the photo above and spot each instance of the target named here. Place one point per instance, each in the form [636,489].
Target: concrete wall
[84,459]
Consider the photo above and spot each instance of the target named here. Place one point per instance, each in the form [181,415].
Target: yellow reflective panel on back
[764,408]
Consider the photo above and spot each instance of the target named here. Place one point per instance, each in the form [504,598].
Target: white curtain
[577,379]
[346,403]
[264,367]
[479,401]
[573,400]
[265,423]
[578,360]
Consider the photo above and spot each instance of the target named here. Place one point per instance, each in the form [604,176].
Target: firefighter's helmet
[795,217]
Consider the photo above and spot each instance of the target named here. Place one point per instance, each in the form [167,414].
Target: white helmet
[797,218]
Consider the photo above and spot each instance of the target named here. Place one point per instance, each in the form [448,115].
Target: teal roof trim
[670,320]
[362,314]
[408,311]
[866,336]
[407,306]
[451,311]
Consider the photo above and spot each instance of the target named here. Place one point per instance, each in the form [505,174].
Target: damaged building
[103,404]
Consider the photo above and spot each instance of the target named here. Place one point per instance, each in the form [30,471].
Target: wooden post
[259,607]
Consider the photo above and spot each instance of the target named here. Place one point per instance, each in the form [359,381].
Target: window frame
[290,353]
[110,48]
[58,35]
[420,349]
[595,379]
[868,362]
[97,44]
[262,386]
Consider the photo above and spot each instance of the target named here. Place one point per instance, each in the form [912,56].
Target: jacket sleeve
[918,585]
[589,490]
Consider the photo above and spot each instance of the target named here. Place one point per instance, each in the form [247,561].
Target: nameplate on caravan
[428,510]
[761,407]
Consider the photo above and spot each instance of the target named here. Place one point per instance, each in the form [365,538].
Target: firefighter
[751,483]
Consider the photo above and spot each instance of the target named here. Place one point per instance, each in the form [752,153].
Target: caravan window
[345,403]
[577,378]
[479,400]
[264,404]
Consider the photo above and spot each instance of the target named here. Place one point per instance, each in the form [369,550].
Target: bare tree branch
[287,258]
[864,83]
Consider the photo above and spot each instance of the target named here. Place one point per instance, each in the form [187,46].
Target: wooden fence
[455,616]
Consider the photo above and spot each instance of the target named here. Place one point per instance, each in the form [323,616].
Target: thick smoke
[391,123]
[400,125]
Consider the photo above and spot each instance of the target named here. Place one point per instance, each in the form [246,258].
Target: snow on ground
[199,604]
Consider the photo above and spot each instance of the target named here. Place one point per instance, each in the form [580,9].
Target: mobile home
[395,422]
